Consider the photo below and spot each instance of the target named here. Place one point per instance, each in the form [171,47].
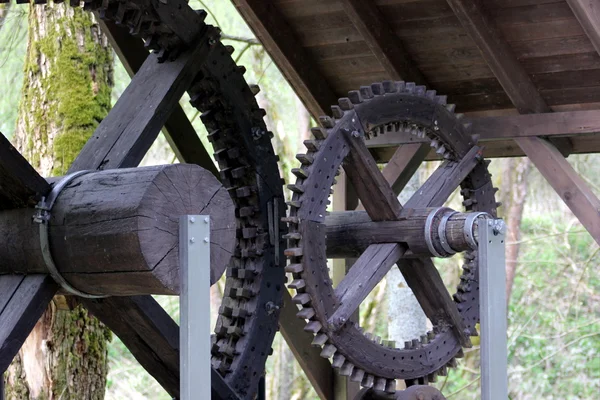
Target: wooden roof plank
[497,53]
[587,13]
[382,41]
[299,68]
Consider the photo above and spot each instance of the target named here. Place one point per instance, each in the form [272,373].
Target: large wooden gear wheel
[248,317]
[385,108]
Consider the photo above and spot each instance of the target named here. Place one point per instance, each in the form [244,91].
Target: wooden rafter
[566,182]
[515,81]
[587,13]
[279,39]
[382,41]
[498,55]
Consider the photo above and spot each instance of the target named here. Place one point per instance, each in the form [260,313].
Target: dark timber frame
[546,132]
[292,31]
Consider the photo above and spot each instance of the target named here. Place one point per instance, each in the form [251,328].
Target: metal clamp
[42,217]
[429,232]
[468,231]
[442,233]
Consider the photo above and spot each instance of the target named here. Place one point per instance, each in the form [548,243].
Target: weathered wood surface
[20,184]
[370,268]
[178,129]
[349,233]
[297,64]
[376,195]
[125,135]
[115,232]
[318,370]
[506,67]
[23,299]
[404,164]
[383,42]
[587,13]
[566,182]
[155,344]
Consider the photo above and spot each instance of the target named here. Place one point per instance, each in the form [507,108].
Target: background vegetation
[554,311]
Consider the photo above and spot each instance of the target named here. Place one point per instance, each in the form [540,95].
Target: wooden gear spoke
[375,193]
[362,278]
[444,181]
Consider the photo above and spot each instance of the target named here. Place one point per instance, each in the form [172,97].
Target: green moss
[77,85]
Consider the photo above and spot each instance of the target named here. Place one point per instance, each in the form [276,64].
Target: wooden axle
[115,232]
[349,233]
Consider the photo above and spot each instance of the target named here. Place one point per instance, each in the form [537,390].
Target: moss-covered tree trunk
[66,93]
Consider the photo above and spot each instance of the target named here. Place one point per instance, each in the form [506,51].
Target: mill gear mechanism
[387,234]
[248,167]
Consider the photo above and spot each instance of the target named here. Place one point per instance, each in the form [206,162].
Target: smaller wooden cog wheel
[387,233]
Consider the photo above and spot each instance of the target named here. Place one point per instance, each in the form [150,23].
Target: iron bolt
[355,134]
[192,220]
[193,240]
[206,220]
[271,307]
[206,240]
[498,227]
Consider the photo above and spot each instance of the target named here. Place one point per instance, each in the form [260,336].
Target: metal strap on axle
[469,231]
[42,217]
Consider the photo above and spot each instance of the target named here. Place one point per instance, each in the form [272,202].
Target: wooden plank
[505,66]
[587,13]
[128,131]
[372,189]
[25,305]
[20,184]
[404,164]
[279,39]
[317,369]
[372,265]
[178,130]
[155,340]
[566,182]
[382,41]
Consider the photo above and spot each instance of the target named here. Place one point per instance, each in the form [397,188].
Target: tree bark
[68,80]
[517,183]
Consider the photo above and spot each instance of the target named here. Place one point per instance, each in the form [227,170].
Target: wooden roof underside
[327,47]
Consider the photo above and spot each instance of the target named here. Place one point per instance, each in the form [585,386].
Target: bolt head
[206,220]
[192,220]
[192,240]
[355,134]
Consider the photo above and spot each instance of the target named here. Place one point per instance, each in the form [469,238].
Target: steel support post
[194,255]
[492,278]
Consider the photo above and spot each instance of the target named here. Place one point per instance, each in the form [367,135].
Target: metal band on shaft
[42,217]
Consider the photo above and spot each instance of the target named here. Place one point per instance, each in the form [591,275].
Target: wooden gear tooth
[368,381]
[300,173]
[345,104]
[337,112]
[313,327]
[311,145]
[297,284]
[338,361]
[377,89]
[328,351]
[346,369]
[357,375]
[327,121]
[320,340]
[305,159]
[306,313]
[355,97]
[301,298]
[294,268]
[380,384]
[366,92]
[293,252]
[319,133]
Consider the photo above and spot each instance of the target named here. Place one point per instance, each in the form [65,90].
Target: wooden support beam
[297,65]
[20,184]
[125,135]
[497,53]
[178,129]
[23,300]
[92,217]
[566,182]
[587,13]
[382,41]
[404,164]
[155,342]
[318,370]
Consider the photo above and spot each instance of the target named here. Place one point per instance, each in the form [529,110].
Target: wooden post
[344,198]
[115,232]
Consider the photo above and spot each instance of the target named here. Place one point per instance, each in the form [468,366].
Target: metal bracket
[42,217]
[194,259]
[492,278]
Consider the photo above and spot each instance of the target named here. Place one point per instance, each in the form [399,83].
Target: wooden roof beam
[587,13]
[497,53]
[382,41]
[280,41]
